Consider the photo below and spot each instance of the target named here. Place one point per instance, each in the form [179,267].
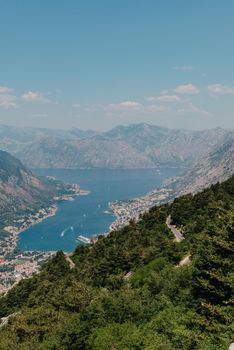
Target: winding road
[178,235]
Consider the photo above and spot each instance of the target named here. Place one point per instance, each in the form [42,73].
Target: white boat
[107,212]
[84,239]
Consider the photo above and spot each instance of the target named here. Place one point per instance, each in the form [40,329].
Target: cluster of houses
[132,209]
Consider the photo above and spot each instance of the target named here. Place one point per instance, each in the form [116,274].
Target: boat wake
[71,228]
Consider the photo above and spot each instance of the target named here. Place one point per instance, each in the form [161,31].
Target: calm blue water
[85,215]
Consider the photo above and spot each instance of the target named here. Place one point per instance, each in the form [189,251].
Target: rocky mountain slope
[14,138]
[132,146]
[20,190]
[217,166]
[168,146]
[95,152]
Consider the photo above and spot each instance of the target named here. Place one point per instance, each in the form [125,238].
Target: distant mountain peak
[125,146]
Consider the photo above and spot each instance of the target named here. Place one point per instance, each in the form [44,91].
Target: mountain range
[132,146]
[137,288]
[208,154]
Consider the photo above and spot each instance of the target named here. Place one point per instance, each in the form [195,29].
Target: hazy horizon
[111,128]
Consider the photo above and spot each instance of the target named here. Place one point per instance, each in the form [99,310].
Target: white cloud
[183,68]
[8,101]
[169,98]
[192,109]
[134,107]
[187,89]
[35,96]
[5,90]
[76,105]
[219,89]
[126,105]
[164,98]
[130,104]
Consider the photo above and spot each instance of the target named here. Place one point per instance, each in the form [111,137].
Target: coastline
[132,209]
[16,264]
[32,220]
[39,216]
[124,211]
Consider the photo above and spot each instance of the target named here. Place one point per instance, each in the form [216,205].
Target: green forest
[129,291]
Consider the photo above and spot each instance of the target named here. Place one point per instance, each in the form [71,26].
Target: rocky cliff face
[217,166]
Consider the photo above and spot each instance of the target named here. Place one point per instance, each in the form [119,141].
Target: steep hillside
[133,289]
[132,146]
[216,166]
[168,146]
[20,190]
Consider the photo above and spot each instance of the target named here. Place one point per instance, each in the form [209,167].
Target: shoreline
[124,211]
[132,209]
[18,264]
[28,221]
[52,211]
[15,231]
[15,263]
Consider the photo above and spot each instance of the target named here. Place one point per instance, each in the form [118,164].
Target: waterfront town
[132,209]
[16,265]
[19,265]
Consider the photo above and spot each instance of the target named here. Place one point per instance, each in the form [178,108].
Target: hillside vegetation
[128,291]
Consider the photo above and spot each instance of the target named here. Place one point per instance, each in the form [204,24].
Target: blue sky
[97,64]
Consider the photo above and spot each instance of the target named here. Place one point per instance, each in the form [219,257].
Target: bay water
[89,215]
